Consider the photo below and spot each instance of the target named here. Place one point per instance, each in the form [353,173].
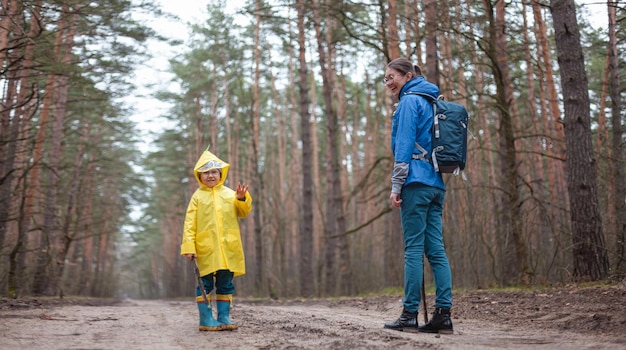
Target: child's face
[210,178]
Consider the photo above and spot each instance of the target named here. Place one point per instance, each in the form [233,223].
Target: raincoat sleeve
[188,245]
[243,208]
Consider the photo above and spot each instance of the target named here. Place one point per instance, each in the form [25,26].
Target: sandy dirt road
[354,323]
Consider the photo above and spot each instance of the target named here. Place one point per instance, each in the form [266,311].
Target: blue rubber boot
[207,322]
[223,311]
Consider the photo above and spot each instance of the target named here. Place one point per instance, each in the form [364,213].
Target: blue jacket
[412,122]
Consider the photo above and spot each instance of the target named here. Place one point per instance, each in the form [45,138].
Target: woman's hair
[405,66]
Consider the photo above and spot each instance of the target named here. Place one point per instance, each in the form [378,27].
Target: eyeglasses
[388,79]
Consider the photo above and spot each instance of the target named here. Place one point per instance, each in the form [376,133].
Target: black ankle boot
[406,322]
[440,323]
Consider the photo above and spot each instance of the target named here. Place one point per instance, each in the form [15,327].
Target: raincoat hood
[207,162]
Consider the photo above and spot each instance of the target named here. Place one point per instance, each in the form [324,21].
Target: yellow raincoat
[211,229]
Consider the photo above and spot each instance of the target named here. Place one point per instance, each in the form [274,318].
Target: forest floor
[561,318]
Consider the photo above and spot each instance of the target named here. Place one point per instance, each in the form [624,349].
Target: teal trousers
[421,214]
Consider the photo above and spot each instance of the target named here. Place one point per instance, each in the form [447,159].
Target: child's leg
[207,322]
[209,282]
[224,297]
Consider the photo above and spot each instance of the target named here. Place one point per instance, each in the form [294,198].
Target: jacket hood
[419,84]
[207,162]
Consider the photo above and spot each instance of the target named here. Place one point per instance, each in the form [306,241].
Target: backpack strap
[436,116]
[421,156]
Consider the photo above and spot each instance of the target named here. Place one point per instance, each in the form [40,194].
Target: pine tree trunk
[306,215]
[86,225]
[617,144]
[555,135]
[432,55]
[256,183]
[59,240]
[590,256]
[295,212]
[43,258]
[392,33]
[14,63]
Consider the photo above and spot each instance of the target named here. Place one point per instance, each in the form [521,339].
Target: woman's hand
[189,257]
[395,200]
[241,191]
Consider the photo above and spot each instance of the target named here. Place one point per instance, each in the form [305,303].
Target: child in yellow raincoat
[211,235]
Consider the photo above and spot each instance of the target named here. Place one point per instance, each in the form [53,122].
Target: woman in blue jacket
[418,190]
